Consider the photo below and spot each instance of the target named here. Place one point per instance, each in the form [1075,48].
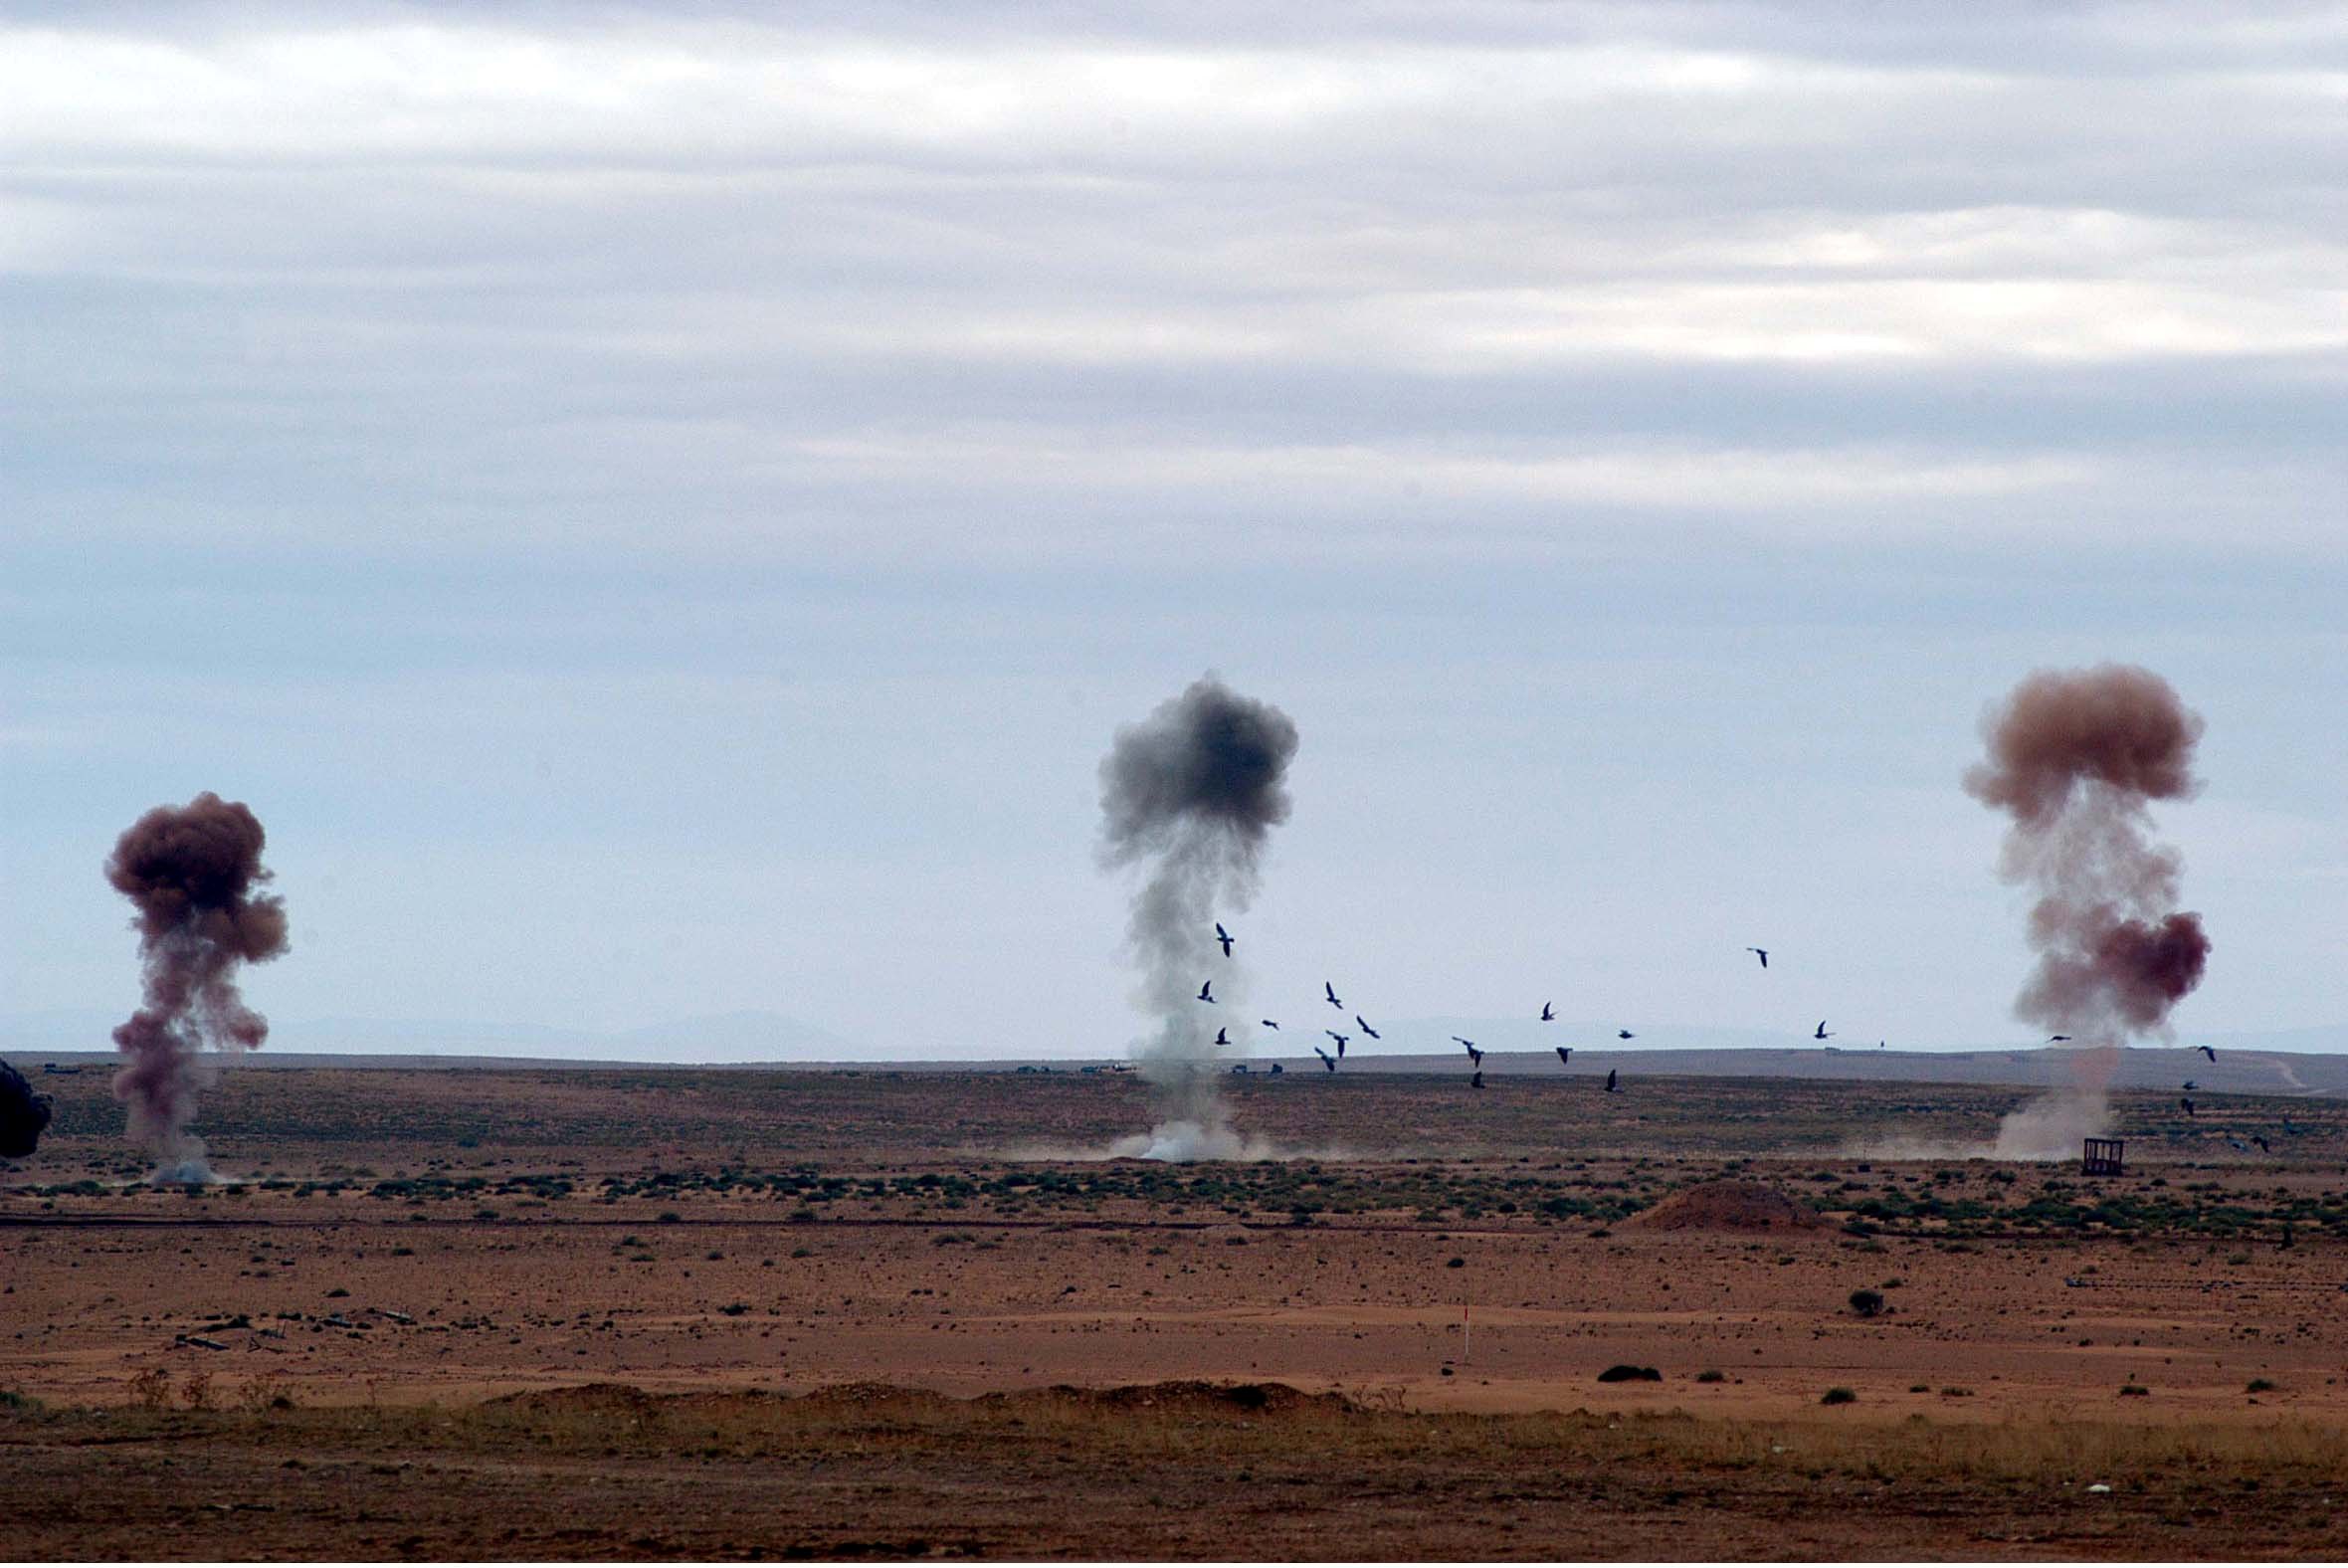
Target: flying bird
[1330,992]
[1327,1060]
[1340,1039]
[1222,1036]
[2207,1052]
[2188,1104]
[1207,992]
[1548,1015]
[1761,954]
[1366,1029]
[1223,936]
[1613,1082]
[1464,1041]
[1565,1053]
[1268,1022]
[1476,1079]
[2190,1084]
[2056,1040]
[1473,1054]
[1624,1033]
[1823,1033]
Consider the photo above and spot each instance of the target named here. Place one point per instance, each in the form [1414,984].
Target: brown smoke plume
[2075,757]
[191,871]
[1194,791]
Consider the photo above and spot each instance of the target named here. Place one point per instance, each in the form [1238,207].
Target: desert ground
[670,1312]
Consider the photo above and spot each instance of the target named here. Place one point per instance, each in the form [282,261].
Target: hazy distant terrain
[2237,1069]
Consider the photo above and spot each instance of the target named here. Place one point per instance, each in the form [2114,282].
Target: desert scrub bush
[1711,1375]
[16,1402]
[1838,1396]
[2259,1385]
[1866,1303]
[1624,1372]
[2133,1391]
[151,1389]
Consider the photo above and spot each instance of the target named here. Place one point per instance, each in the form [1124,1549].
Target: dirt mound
[601,1398]
[1192,1397]
[1728,1206]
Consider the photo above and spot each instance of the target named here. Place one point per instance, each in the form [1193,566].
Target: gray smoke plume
[191,871]
[2074,757]
[23,1115]
[1193,792]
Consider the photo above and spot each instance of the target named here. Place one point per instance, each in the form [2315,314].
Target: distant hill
[2291,1061]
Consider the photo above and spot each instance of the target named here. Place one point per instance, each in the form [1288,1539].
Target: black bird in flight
[1823,1032]
[1327,1060]
[2188,1104]
[1224,937]
[1340,1039]
[1473,1054]
[1330,992]
[2207,1052]
[2190,1084]
[1548,1016]
[1222,1037]
[1475,1078]
[1207,992]
[1366,1029]
[1624,1033]
[1268,1022]
[1761,954]
[2056,1040]
[1565,1053]
[1613,1082]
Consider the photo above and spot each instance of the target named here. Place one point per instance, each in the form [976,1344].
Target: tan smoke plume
[2075,757]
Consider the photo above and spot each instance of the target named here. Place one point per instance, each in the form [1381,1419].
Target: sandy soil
[537,1234]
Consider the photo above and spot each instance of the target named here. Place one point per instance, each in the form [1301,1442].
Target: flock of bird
[1361,1025]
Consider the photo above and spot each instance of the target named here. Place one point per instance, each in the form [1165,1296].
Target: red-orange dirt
[327,1355]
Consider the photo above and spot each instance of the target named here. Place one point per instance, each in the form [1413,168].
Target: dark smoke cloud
[1192,791]
[23,1115]
[191,871]
[2075,757]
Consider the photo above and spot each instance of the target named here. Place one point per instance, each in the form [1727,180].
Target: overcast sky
[661,510]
